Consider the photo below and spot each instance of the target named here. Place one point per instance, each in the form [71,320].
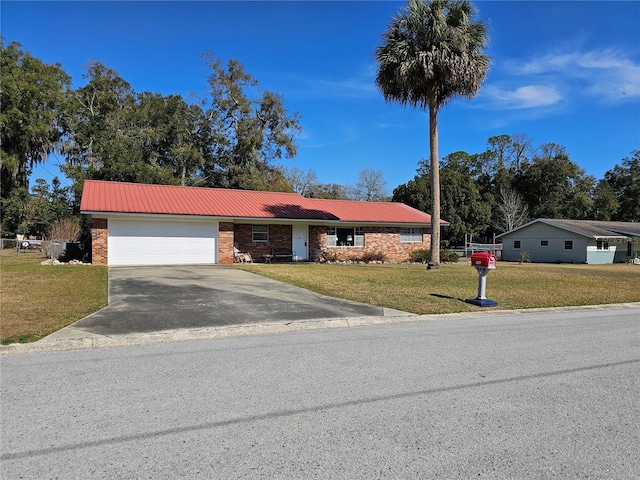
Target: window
[411,235]
[345,237]
[602,245]
[516,244]
[629,249]
[544,243]
[260,233]
[568,244]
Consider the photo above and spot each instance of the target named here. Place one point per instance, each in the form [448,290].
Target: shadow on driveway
[150,299]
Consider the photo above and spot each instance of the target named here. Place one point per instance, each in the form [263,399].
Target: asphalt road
[518,396]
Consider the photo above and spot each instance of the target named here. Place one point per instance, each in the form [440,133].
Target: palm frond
[432,52]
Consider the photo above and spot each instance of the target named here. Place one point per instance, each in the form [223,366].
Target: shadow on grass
[447,297]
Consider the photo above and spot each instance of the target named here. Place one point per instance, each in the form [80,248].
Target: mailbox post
[483,262]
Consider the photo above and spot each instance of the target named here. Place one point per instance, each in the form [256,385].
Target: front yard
[412,288]
[37,300]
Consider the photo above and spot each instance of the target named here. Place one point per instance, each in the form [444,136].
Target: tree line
[513,182]
[231,136]
[234,135]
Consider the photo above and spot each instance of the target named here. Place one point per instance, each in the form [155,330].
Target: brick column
[99,241]
[225,243]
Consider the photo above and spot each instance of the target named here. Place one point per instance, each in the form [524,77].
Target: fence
[53,249]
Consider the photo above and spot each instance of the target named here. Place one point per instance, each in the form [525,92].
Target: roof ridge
[359,201]
[192,187]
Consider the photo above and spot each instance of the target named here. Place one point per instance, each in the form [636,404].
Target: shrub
[448,256]
[67,230]
[373,256]
[420,255]
[330,256]
[525,257]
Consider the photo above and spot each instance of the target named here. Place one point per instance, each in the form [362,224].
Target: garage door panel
[161,242]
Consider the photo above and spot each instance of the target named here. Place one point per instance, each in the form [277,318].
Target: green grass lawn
[37,300]
[413,288]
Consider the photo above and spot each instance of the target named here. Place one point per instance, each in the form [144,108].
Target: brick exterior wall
[317,241]
[387,240]
[384,239]
[376,239]
[99,241]
[279,236]
[225,243]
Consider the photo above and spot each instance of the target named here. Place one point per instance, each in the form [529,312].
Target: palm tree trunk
[434,262]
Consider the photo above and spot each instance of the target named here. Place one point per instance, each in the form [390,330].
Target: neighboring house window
[411,235]
[345,237]
[544,243]
[516,244]
[602,245]
[568,244]
[629,249]
[260,233]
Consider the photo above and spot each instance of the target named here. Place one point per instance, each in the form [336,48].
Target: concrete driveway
[152,299]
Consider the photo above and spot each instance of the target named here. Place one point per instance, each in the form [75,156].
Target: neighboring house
[139,224]
[572,241]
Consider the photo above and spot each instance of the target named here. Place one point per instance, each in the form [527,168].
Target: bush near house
[422,255]
[373,256]
[335,256]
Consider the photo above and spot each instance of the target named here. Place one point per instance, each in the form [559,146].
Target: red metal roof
[119,197]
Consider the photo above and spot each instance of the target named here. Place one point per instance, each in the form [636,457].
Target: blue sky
[563,72]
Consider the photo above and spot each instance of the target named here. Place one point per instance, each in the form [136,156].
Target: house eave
[269,220]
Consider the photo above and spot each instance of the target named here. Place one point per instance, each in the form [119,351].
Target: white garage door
[145,242]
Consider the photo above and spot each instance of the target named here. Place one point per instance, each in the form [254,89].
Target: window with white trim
[411,235]
[345,237]
[568,244]
[516,245]
[260,233]
[602,245]
[544,243]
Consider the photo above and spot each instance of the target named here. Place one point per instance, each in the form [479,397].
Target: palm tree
[432,53]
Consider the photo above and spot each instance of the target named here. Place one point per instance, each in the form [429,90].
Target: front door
[300,244]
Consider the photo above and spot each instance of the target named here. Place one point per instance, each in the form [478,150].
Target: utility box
[483,260]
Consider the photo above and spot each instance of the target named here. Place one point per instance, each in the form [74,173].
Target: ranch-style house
[140,224]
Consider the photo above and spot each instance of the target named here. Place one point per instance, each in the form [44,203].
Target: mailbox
[483,260]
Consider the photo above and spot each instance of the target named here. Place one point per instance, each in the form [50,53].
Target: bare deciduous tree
[302,181]
[511,211]
[371,186]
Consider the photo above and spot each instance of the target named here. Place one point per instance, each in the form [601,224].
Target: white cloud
[350,87]
[529,96]
[603,74]
[537,66]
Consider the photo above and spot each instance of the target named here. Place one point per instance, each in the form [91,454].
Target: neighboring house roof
[100,197]
[587,228]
